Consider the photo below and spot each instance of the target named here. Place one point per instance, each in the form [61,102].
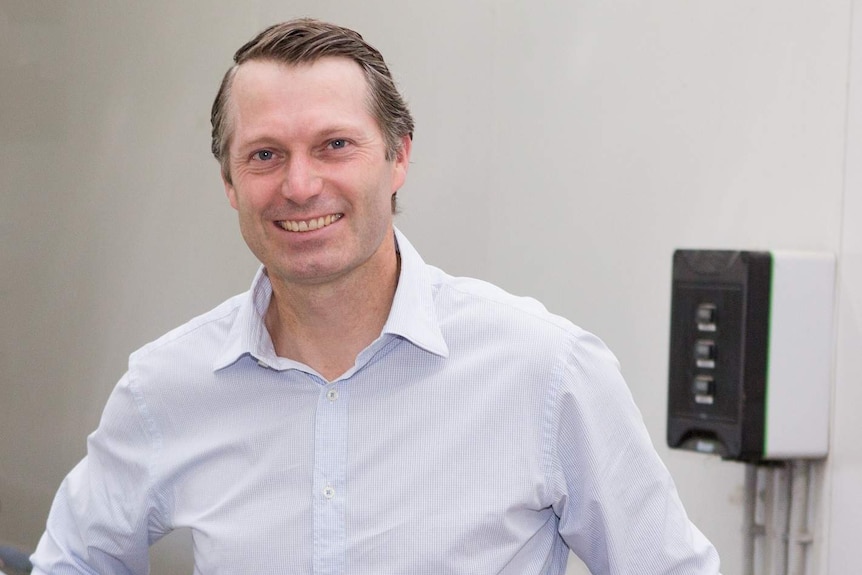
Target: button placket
[329,480]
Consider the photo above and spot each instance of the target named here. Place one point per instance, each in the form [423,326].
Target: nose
[302,180]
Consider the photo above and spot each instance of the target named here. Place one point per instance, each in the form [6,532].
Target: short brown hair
[304,41]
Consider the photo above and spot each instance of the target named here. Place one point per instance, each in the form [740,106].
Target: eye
[263,155]
[338,144]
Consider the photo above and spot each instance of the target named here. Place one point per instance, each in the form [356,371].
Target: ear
[401,163]
[230,192]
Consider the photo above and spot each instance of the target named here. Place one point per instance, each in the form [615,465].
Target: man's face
[310,178]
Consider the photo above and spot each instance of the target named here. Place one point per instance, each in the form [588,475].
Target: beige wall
[563,150]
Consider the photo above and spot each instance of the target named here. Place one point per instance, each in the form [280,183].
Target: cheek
[252,193]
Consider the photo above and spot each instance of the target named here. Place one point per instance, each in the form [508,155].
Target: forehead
[329,89]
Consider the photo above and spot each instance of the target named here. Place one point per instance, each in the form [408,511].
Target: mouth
[309,225]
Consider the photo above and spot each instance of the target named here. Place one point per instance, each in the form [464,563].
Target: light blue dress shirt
[479,434]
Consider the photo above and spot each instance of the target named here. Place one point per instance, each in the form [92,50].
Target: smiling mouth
[309,225]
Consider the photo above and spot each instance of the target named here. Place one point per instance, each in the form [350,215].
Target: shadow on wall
[172,554]
[14,560]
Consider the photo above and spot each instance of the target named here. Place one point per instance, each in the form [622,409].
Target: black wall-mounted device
[750,342]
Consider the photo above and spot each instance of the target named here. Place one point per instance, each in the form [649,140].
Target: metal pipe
[778,520]
[799,536]
[749,522]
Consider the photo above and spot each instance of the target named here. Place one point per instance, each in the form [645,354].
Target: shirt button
[332,394]
[328,492]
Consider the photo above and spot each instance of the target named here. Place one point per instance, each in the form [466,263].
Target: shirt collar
[248,333]
[411,317]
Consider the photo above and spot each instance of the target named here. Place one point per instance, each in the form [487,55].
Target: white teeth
[314,224]
[309,225]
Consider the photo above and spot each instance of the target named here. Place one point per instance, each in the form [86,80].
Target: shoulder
[523,324]
[202,336]
[470,299]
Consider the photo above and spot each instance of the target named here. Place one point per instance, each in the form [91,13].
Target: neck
[326,326]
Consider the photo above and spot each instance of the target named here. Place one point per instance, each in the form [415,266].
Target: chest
[359,471]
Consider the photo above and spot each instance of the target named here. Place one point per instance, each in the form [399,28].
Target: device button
[705,316]
[703,389]
[704,353]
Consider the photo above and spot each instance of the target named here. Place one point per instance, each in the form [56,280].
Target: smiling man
[358,411]
[310,174]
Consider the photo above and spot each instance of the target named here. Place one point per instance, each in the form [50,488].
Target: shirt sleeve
[103,518]
[618,506]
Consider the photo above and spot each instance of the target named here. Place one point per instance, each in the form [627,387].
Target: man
[358,411]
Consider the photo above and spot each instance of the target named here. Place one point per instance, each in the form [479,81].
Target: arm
[619,509]
[100,519]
